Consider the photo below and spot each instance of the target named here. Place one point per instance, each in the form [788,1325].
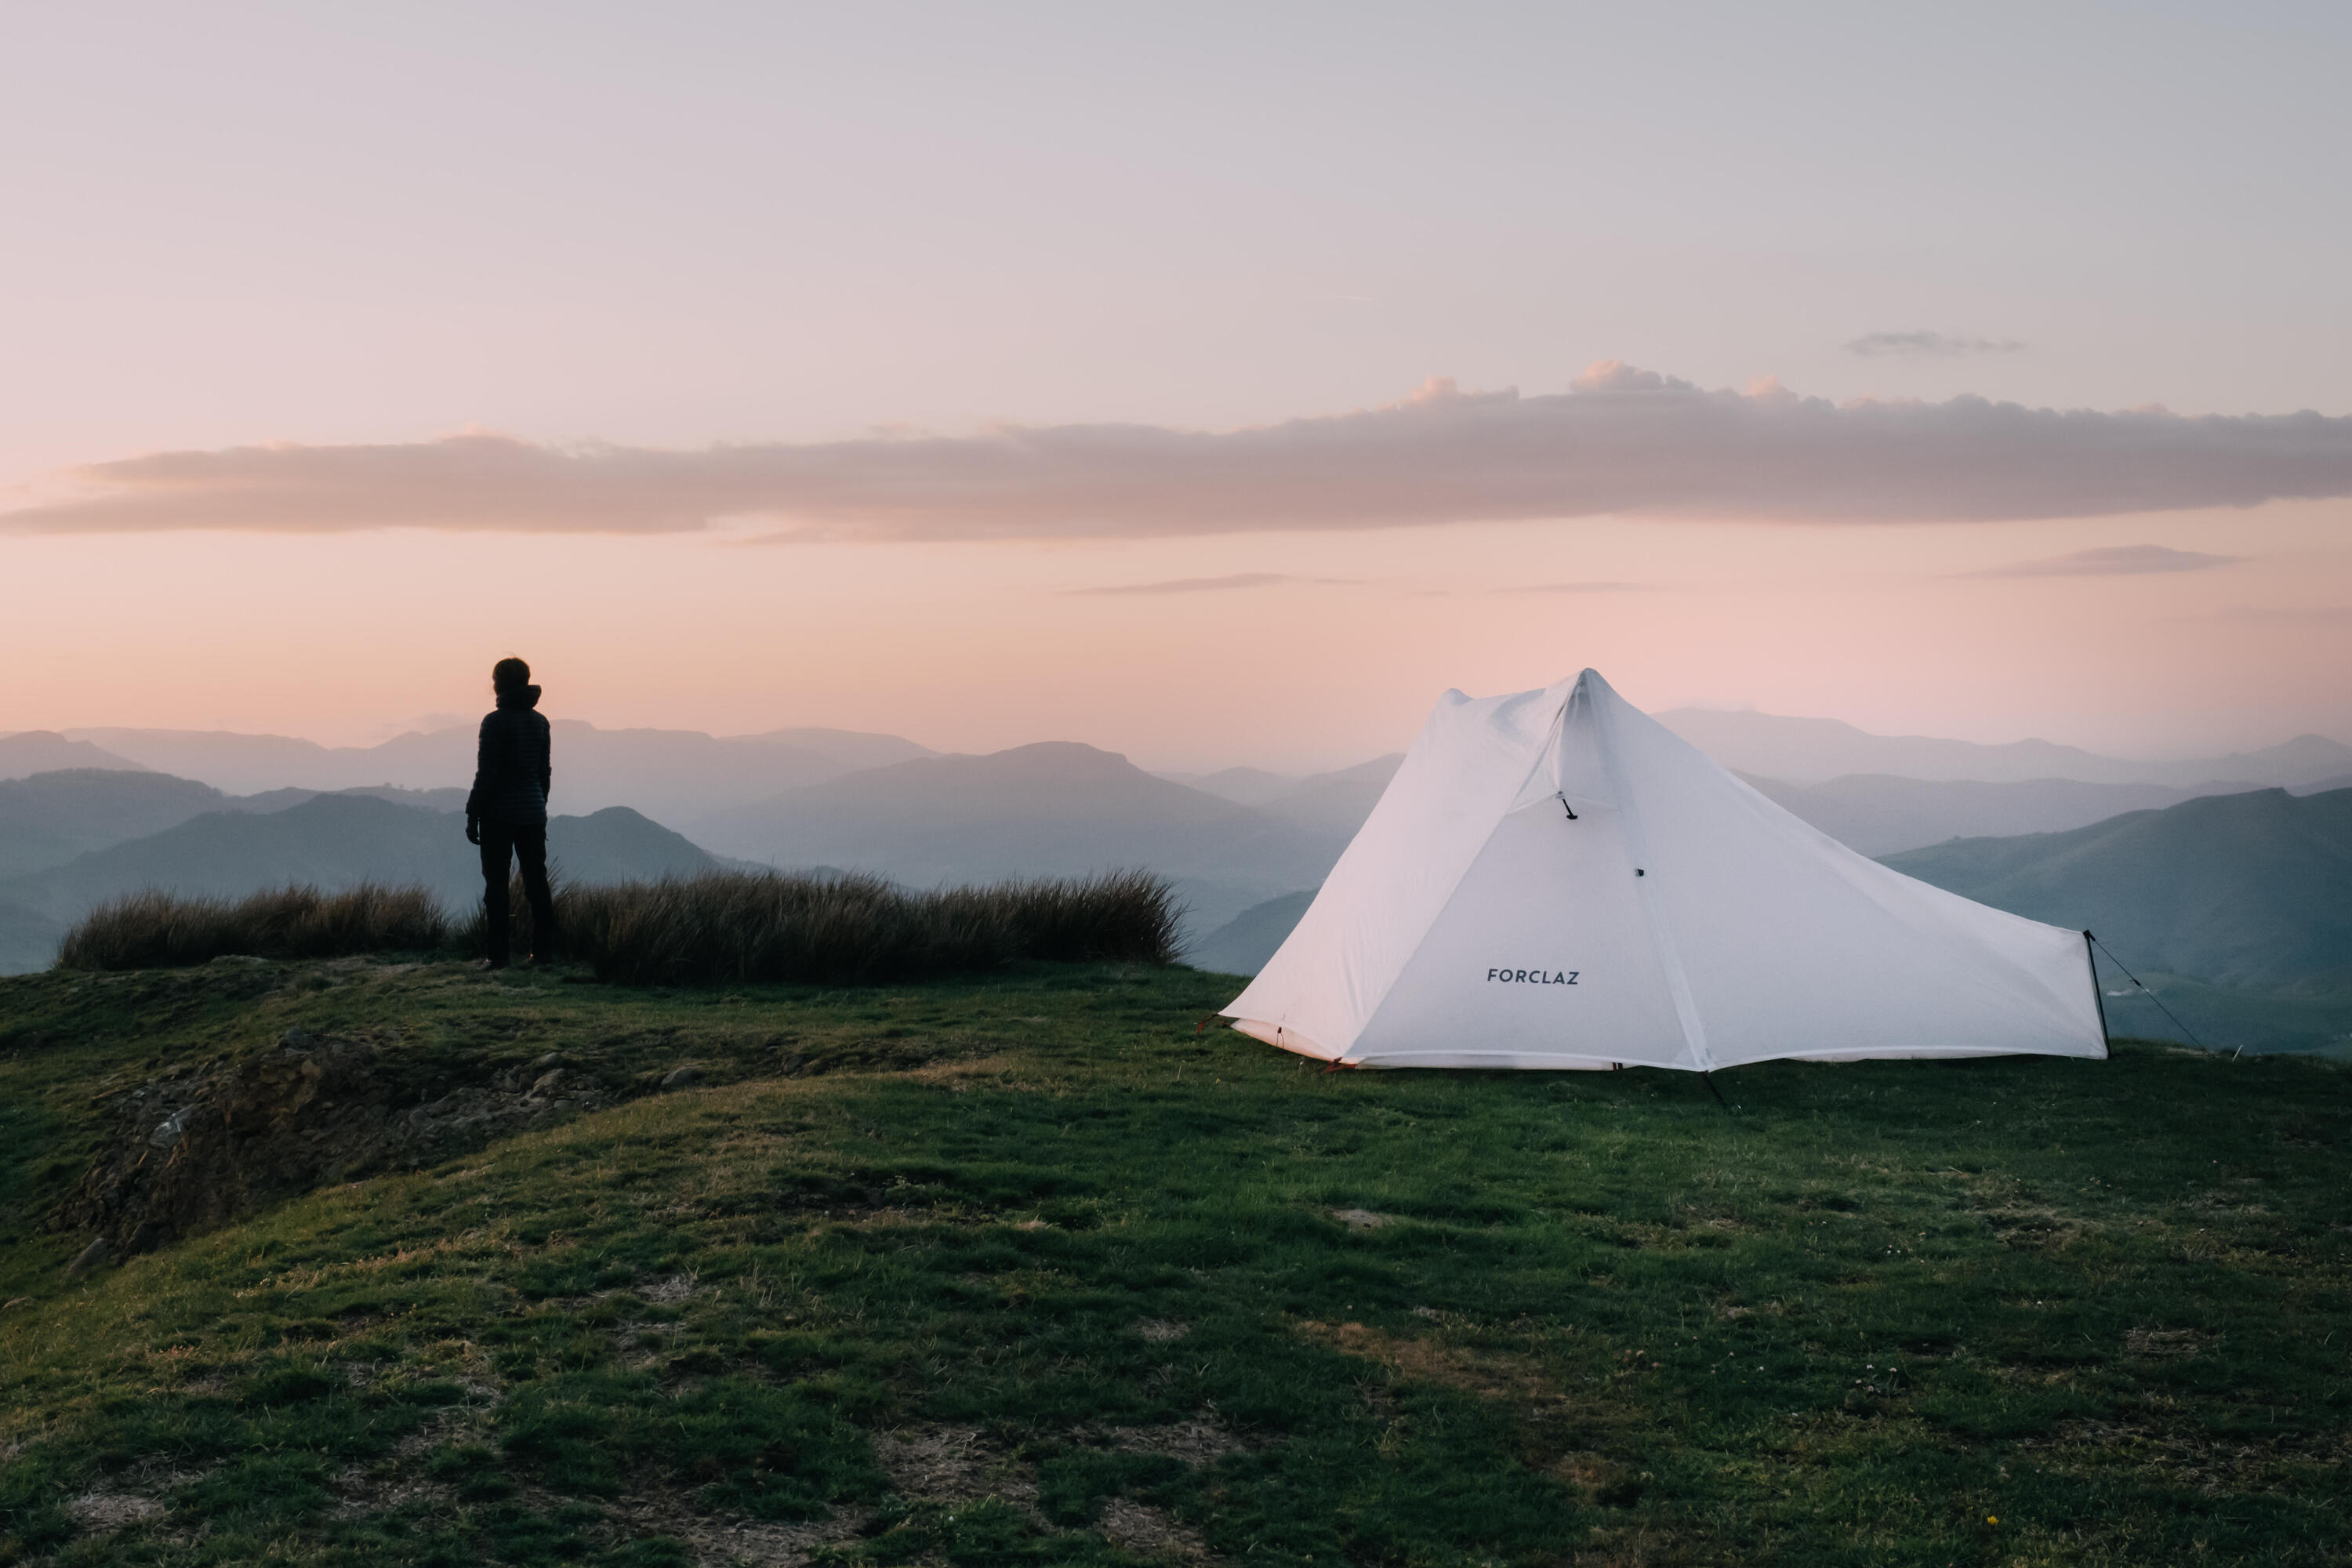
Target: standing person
[507,812]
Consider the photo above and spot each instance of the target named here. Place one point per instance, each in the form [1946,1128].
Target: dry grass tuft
[716,927]
[722,927]
[155,930]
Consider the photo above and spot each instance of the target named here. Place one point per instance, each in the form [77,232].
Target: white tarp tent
[1555,880]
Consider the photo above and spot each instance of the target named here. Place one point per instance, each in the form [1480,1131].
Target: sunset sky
[1212,384]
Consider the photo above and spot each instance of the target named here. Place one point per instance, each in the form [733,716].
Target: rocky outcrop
[199,1150]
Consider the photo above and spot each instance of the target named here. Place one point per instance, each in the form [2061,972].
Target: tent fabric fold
[1554,880]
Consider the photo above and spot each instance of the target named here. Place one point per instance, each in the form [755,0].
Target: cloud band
[1930,344]
[2116,561]
[1620,440]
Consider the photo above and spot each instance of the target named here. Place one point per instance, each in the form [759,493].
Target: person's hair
[509,675]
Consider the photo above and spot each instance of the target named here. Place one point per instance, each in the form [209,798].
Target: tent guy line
[2151,995]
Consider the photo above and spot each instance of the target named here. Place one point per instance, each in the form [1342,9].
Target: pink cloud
[1621,440]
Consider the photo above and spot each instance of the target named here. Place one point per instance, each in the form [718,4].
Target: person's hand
[473,830]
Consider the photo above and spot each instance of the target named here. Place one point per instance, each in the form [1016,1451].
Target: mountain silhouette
[672,776]
[1244,945]
[450,799]
[1242,787]
[2236,889]
[48,819]
[849,749]
[669,775]
[1878,813]
[28,938]
[1053,808]
[1807,751]
[1338,802]
[30,751]
[1335,802]
[333,840]
[234,763]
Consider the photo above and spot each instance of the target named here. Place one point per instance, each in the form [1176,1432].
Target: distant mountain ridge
[2238,890]
[671,776]
[48,819]
[1052,809]
[30,751]
[1880,814]
[1875,814]
[425,799]
[679,776]
[1338,802]
[1244,944]
[1242,787]
[1809,751]
[28,938]
[334,840]
[1335,802]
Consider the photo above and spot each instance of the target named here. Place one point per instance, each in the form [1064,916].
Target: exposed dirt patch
[2032,1227]
[197,1150]
[359,1492]
[712,1539]
[1635,1546]
[1569,1439]
[98,1510]
[1194,1442]
[2159,1342]
[446,1425]
[1361,1219]
[879,1051]
[2239,1202]
[1161,1330]
[1146,1530]
[721,1542]
[2193,1459]
[957,1464]
[948,1464]
[140,1495]
[1490,1375]
[1593,1474]
[673,1288]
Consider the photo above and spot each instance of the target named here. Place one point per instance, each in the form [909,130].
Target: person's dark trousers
[525,843]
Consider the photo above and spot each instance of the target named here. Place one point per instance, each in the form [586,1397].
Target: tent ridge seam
[1661,940]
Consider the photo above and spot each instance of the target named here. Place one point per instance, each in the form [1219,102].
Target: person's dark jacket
[511,772]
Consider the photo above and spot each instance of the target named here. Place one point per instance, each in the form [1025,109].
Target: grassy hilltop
[1025,1270]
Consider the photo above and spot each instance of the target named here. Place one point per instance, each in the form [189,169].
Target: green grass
[1024,1270]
